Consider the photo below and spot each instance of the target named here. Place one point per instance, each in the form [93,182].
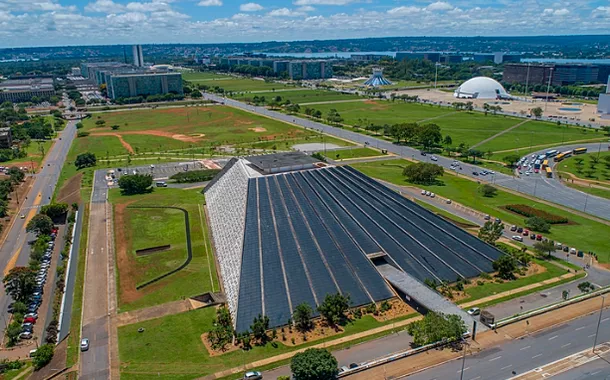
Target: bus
[551,153]
[580,151]
[563,155]
[541,157]
[545,164]
[537,164]
[549,172]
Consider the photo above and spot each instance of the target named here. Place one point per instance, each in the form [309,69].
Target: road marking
[465,369]
[566,345]
[476,378]
[525,348]
[508,366]
[537,356]
[594,373]
[591,336]
[494,359]
[605,319]
[13,260]
[553,337]
[580,328]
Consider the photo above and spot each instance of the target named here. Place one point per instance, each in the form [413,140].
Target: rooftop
[270,162]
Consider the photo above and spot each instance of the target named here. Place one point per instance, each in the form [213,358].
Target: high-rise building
[560,74]
[127,85]
[138,57]
[24,88]
[423,55]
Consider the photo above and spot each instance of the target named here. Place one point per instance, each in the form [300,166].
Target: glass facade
[127,86]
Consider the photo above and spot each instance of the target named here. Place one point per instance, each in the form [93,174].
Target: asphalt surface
[564,196]
[595,370]
[66,317]
[525,354]
[15,251]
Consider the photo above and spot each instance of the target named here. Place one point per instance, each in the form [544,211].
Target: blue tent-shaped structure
[377,79]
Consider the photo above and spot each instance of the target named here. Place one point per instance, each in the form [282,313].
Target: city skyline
[71,22]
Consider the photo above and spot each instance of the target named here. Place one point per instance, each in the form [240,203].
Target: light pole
[463,359]
[599,321]
[548,87]
[586,199]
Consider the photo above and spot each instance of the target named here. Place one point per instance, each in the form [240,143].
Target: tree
[436,327]
[537,224]
[511,160]
[423,173]
[100,123]
[545,247]
[302,317]
[490,232]
[314,364]
[259,328]
[488,191]
[55,211]
[475,154]
[17,175]
[333,116]
[505,265]
[537,112]
[429,135]
[447,141]
[13,331]
[586,287]
[334,308]
[135,184]
[43,355]
[79,125]
[40,224]
[19,283]
[85,160]
[222,331]
[115,127]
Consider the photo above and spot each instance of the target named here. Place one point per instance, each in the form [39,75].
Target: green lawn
[147,228]
[299,96]
[599,171]
[584,234]
[149,143]
[172,346]
[233,84]
[446,214]
[285,143]
[591,190]
[343,154]
[538,133]
[197,76]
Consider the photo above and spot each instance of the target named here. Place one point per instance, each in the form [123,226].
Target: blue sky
[77,22]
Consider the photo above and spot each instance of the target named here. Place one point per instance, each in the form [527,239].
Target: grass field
[197,76]
[591,190]
[232,84]
[538,133]
[344,154]
[599,171]
[136,229]
[584,234]
[299,96]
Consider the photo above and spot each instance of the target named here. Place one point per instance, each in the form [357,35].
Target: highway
[14,250]
[562,195]
[525,354]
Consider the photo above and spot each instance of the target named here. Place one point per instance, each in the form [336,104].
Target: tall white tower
[138,57]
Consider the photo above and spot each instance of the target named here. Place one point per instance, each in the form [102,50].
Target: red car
[31,320]
[539,237]
[526,232]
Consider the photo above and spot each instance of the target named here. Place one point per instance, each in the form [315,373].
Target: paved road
[565,196]
[97,301]
[595,370]
[525,354]
[15,251]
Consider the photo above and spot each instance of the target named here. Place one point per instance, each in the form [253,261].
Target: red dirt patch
[70,191]
[150,132]
[258,129]
[117,135]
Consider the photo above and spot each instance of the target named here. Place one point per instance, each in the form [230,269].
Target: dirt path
[123,142]
[500,133]
[585,182]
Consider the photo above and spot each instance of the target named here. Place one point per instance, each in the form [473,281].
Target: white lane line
[525,348]
[465,369]
[591,336]
[553,337]
[580,328]
[605,319]
[594,373]
[476,378]
[566,345]
[494,359]
[537,356]
[508,366]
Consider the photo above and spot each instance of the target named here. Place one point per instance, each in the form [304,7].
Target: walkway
[499,134]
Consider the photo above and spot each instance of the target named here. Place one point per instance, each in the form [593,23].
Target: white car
[84,344]
[517,238]
[433,158]
[423,192]
[474,311]
[432,195]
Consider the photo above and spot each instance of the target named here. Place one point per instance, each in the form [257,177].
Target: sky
[83,22]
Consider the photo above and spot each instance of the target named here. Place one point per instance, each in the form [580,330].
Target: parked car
[448,201]
[31,315]
[84,344]
[533,236]
[513,228]
[566,248]
[353,365]
[474,311]
[27,327]
[558,246]
[432,195]
[25,335]
[517,238]
[520,229]
[573,251]
[423,192]
[498,221]
[539,237]
[253,375]
[29,320]
[475,173]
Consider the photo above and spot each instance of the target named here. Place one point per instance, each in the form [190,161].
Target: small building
[603,104]
[6,138]
[23,89]
[282,162]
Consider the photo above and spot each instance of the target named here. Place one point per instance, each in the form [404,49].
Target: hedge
[528,211]
[195,176]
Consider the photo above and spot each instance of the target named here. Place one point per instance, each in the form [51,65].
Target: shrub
[535,223]
[529,211]
[82,134]
[195,176]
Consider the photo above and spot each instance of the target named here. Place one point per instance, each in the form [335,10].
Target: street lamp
[463,359]
[599,321]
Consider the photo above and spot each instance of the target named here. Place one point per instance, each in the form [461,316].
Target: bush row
[195,176]
[528,211]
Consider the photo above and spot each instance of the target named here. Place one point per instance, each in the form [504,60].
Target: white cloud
[555,12]
[103,6]
[601,12]
[35,6]
[285,12]
[154,6]
[439,6]
[323,2]
[210,3]
[404,10]
[306,8]
[250,7]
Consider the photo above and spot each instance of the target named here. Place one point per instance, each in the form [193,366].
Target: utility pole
[463,359]
[548,88]
[599,321]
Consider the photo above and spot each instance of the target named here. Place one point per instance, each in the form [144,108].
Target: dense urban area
[417,207]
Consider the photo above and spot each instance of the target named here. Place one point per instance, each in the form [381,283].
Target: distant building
[368,57]
[298,70]
[452,58]
[423,55]
[377,79]
[90,69]
[603,104]
[481,88]
[23,89]
[76,72]
[138,57]
[129,85]
[560,74]
[497,58]
[6,139]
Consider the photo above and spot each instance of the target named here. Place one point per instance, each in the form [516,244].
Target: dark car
[423,153]
[475,173]
[520,229]
[353,365]
[533,236]
[566,248]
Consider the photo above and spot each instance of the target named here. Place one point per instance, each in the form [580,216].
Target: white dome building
[481,88]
